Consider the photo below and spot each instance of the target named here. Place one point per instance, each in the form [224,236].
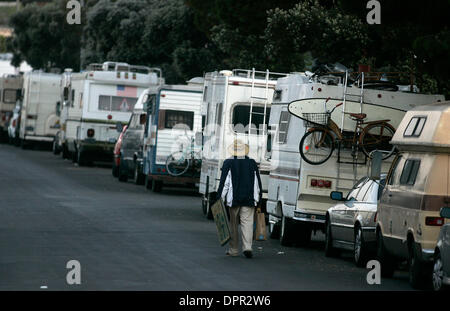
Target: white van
[231,101]
[299,193]
[173,118]
[417,187]
[94,101]
[39,121]
[10,91]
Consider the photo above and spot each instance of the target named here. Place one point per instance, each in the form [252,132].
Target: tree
[43,38]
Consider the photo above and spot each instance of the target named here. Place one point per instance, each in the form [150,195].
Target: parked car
[131,149]
[351,225]
[417,187]
[441,267]
[116,160]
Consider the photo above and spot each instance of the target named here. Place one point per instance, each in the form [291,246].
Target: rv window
[174,117]
[9,96]
[241,117]
[283,127]
[73,96]
[116,103]
[409,172]
[415,127]
[277,95]
[219,114]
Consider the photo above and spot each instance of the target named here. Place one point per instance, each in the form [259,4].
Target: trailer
[10,93]
[299,193]
[93,102]
[39,122]
[173,118]
[236,105]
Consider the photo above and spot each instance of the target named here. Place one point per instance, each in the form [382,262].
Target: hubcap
[438,274]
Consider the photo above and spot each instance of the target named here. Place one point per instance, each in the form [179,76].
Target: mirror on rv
[66,93]
[375,165]
[445,212]
[58,108]
[337,196]
[119,127]
[199,138]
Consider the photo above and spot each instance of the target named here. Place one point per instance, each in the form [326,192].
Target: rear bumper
[39,138]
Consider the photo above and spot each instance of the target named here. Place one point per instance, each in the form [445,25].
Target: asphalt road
[128,238]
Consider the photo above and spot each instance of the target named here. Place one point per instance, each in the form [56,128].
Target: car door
[341,222]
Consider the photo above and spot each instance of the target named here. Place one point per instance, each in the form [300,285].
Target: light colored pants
[246,215]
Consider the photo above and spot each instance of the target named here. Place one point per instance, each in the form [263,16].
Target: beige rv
[417,187]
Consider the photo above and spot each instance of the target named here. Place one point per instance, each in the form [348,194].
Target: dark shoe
[248,254]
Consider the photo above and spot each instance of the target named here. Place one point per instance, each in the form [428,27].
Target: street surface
[128,238]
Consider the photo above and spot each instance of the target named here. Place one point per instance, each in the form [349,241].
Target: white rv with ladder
[10,90]
[298,192]
[94,101]
[236,105]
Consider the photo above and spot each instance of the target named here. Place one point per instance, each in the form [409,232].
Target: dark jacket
[241,181]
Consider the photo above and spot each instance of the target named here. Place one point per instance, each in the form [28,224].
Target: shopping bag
[260,226]
[221,220]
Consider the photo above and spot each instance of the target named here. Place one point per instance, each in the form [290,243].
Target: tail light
[434,221]
[321,183]
[90,133]
[109,117]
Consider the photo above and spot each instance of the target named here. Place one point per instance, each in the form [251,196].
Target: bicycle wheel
[377,137]
[316,146]
[177,164]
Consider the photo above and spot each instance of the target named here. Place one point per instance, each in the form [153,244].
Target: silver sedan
[351,224]
[441,268]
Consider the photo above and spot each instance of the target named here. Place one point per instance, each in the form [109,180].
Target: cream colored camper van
[417,187]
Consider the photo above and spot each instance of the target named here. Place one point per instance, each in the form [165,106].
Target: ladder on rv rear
[265,99]
[360,83]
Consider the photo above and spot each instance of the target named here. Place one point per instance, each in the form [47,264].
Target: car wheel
[286,231]
[330,251]
[360,248]
[386,261]
[139,178]
[123,173]
[438,273]
[416,268]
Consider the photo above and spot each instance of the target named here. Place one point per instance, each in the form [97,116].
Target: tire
[157,185]
[303,236]
[386,260]
[286,231]
[316,146]
[330,251]
[438,273]
[360,254]
[274,230]
[416,268]
[176,164]
[122,172]
[139,178]
[372,135]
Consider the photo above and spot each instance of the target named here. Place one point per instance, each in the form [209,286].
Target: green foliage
[43,38]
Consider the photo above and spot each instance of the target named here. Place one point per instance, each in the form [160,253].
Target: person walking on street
[240,190]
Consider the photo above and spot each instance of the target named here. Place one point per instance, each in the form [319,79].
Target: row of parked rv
[161,135]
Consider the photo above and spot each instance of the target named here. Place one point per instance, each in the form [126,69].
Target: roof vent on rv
[226,73]
[196,81]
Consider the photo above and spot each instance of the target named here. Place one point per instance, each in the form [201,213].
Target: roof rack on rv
[248,73]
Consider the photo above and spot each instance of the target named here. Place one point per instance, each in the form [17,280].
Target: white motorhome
[298,196]
[10,90]
[173,118]
[39,122]
[231,101]
[94,101]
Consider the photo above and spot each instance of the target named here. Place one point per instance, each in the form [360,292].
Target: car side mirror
[337,196]
[445,212]
[119,127]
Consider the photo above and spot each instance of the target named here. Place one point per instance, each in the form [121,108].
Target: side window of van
[409,173]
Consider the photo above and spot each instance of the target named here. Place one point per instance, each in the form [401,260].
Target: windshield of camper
[241,116]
